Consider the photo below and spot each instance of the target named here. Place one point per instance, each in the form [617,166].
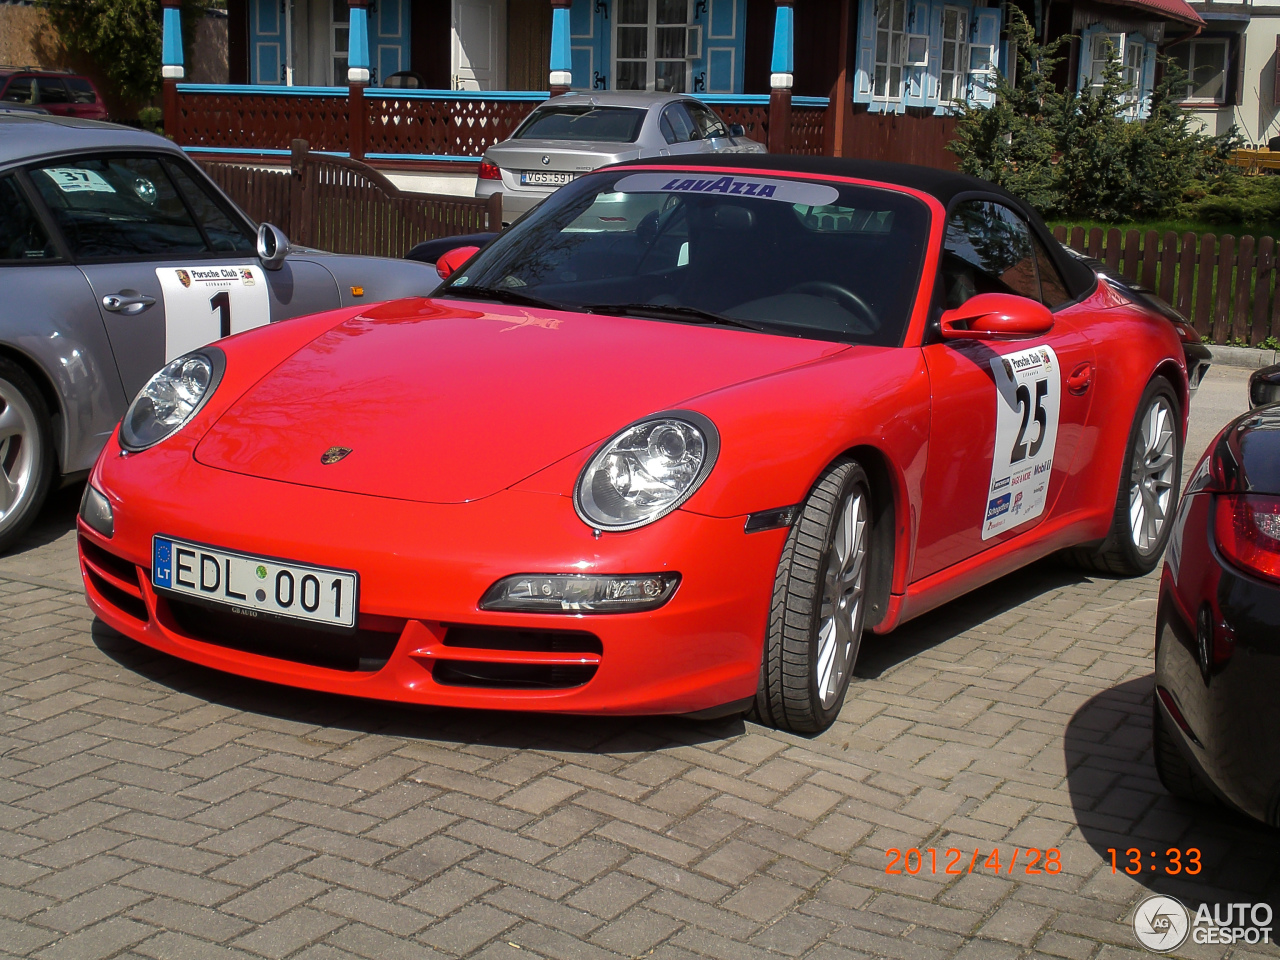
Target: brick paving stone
[149,808]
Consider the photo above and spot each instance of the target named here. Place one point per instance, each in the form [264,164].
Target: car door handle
[127,302]
[1080,379]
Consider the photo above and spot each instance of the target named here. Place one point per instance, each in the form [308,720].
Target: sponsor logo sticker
[998,507]
[731,185]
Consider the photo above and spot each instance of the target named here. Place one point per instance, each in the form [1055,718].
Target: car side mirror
[1264,386]
[447,265]
[273,246]
[737,130]
[996,316]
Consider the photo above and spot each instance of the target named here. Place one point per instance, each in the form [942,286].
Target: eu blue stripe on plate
[162,562]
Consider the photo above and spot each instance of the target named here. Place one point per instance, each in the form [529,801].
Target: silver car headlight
[647,470]
[171,398]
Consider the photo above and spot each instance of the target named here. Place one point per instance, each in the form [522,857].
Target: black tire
[1177,775]
[27,455]
[789,696]
[1120,554]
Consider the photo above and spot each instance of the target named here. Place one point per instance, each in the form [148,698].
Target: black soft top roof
[944,185]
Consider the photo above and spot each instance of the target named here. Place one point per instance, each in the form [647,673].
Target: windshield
[585,122]
[801,258]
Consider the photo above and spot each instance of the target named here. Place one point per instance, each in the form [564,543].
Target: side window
[52,90]
[81,90]
[21,235]
[987,249]
[707,121]
[19,90]
[224,233]
[682,129]
[118,207]
[1053,291]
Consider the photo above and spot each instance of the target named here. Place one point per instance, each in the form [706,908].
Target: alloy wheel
[843,586]
[1151,475]
[19,433]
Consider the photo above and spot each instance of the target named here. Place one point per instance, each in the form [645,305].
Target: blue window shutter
[917,81]
[266,40]
[1084,76]
[389,40]
[589,42]
[1148,81]
[933,91]
[719,69]
[986,32]
[866,59]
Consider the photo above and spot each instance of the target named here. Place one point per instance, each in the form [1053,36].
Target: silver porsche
[575,133]
[118,254]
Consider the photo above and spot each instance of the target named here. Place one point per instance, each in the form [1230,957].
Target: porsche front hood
[445,401]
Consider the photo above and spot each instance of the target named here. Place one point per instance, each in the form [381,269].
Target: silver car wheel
[843,587]
[1151,475]
[19,452]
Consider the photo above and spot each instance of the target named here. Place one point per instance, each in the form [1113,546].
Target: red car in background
[62,94]
[668,445]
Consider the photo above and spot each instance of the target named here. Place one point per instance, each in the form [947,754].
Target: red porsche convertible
[668,445]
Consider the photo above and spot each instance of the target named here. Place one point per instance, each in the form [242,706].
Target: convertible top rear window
[585,122]
[782,255]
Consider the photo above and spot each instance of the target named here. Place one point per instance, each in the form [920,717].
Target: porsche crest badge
[333,455]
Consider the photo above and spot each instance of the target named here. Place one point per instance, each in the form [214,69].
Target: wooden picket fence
[1226,287]
[344,206]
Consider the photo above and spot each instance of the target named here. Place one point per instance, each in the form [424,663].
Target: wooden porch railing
[1228,289]
[345,206]
[412,124]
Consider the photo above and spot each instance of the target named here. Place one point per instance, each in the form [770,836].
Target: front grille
[515,658]
[532,641]
[115,579]
[465,673]
[363,651]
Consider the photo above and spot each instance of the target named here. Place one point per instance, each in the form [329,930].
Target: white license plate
[255,586]
[545,178]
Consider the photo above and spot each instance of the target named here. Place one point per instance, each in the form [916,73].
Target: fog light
[576,593]
[95,510]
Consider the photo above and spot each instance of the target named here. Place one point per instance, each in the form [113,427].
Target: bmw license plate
[256,586]
[545,178]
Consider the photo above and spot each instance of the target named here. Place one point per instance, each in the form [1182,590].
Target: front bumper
[1229,705]
[423,568]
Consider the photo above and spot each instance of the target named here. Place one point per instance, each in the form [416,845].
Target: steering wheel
[841,296]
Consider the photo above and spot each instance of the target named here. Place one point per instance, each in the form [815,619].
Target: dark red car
[63,94]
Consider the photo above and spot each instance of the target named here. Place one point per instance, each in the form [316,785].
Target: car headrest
[732,217]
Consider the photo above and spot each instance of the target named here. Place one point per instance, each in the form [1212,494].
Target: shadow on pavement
[883,652]
[1120,805]
[56,519]
[493,728]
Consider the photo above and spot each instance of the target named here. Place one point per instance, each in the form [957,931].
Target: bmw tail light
[489,171]
[1247,529]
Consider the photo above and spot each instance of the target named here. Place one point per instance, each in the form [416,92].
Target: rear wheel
[819,605]
[1177,775]
[26,453]
[1148,490]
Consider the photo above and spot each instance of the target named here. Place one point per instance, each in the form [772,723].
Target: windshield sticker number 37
[1028,395]
[207,303]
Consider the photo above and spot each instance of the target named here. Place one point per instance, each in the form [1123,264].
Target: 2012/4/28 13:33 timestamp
[1175,861]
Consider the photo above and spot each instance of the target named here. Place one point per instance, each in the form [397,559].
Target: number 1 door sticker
[1028,395]
[203,304]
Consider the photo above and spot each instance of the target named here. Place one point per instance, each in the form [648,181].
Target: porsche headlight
[647,470]
[171,398]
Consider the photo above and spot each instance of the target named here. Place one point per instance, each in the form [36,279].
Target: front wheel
[1148,490]
[819,605]
[26,453]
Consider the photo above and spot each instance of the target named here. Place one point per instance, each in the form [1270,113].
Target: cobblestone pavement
[150,808]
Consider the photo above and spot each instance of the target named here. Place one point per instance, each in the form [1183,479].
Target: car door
[53,95]
[171,267]
[713,135]
[1006,417]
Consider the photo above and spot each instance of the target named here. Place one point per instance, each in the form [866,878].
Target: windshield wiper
[503,295]
[683,314]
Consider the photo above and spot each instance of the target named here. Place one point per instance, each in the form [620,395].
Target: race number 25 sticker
[207,303]
[1028,395]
